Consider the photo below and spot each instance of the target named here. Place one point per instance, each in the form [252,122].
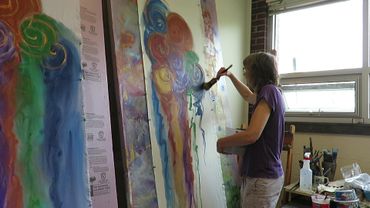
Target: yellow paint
[179,144]
[163,79]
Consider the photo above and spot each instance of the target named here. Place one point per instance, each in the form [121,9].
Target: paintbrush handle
[209,84]
[213,81]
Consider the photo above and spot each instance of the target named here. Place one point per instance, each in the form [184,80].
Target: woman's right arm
[243,89]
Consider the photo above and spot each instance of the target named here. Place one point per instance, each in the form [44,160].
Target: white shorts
[260,192]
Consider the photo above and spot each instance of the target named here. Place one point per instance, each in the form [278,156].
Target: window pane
[320,97]
[320,38]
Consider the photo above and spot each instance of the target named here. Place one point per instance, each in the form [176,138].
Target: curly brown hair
[263,70]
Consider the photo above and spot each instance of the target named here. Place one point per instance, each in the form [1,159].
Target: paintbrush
[208,85]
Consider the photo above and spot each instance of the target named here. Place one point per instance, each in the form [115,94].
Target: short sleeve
[268,93]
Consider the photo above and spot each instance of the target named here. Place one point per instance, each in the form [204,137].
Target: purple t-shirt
[262,159]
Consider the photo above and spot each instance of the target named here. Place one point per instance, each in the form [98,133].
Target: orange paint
[14,197]
[127,40]
[14,11]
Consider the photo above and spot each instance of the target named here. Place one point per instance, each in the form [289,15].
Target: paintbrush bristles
[209,84]
[213,81]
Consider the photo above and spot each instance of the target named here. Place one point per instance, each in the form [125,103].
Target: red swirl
[179,32]
[158,48]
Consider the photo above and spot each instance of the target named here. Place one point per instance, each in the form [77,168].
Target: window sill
[331,128]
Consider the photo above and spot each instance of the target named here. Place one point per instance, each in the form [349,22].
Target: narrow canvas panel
[129,72]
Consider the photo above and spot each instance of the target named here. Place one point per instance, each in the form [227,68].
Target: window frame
[362,76]
[323,79]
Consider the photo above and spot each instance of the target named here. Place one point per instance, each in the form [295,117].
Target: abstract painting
[182,116]
[163,52]
[42,146]
[136,146]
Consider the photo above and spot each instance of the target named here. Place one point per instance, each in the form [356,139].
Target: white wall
[234,21]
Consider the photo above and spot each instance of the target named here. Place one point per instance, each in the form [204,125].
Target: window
[334,97]
[323,58]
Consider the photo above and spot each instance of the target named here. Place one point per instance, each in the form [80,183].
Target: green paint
[195,148]
[39,34]
[29,127]
[190,103]
[190,60]
[232,195]
[232,190]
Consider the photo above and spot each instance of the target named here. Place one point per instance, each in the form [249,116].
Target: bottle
[305,176]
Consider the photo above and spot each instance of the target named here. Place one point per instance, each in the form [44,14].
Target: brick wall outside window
[259,26]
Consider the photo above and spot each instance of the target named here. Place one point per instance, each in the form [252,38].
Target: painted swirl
[155,16]
[197,79]
[179,32]
[56,59]
[158,48]
[38,35]
[7,46]
[13,8]
[9,8]
[163,78]
[175,60]
[176,77]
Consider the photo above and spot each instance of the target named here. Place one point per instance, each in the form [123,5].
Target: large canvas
[213,54]
[42,146]
[129,71]
[183,119]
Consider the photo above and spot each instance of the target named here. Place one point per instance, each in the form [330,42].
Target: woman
[261,169]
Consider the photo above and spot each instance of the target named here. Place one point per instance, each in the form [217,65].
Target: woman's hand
[219,147]
[223,72]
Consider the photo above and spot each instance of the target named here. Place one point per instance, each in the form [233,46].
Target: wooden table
[292,190]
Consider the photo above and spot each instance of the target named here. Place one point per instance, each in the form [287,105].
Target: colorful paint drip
[176,78]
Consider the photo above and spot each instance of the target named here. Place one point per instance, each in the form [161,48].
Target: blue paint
[155,16]
[64,148]
[162,142]
[155,20]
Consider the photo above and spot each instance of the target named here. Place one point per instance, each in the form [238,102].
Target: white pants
[260,192]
